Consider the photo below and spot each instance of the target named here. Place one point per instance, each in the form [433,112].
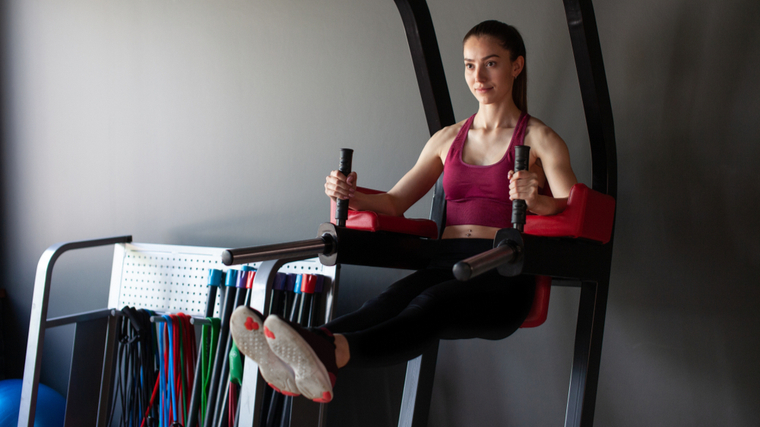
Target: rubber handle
[341,213]
[215,277]
[519,208]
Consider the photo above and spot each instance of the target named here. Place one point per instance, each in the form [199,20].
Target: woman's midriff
[469,232]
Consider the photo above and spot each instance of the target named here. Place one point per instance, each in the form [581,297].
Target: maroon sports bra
[479,195]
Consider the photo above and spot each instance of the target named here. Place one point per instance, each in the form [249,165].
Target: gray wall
[214,123]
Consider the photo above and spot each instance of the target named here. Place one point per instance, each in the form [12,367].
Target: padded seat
[589,215]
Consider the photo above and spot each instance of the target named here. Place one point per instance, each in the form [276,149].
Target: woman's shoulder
[441,141]
[540,135]
[451,131]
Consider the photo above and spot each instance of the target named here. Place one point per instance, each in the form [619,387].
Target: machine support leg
[418,389]
[581,399]
[109,367]
[82,403]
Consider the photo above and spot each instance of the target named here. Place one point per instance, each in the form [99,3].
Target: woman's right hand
[338,186]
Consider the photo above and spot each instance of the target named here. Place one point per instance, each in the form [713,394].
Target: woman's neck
[497,115]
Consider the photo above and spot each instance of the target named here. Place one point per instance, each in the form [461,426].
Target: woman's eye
[468,66]
[491,63]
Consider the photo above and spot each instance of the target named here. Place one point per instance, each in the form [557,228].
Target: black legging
[399,324]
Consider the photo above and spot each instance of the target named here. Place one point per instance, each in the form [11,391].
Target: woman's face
[488,70]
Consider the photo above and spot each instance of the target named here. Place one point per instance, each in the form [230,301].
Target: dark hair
[510,39]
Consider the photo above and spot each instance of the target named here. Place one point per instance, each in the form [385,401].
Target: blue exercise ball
[51,406]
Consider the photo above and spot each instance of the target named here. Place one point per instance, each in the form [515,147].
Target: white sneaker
[289,343]
[247,330]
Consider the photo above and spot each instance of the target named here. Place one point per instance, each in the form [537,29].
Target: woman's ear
[517,66]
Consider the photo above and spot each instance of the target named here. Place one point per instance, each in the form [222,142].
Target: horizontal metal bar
[79,317]
[199,321]
[193,320]
[300,249]
[483,262]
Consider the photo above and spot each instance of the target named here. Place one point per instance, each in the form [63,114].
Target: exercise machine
[580,239]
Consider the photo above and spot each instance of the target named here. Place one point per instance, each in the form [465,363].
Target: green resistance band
[236,365]
[209,338]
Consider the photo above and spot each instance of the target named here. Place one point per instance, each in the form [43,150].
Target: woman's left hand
[523,185]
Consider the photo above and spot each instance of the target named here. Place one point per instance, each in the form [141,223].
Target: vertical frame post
[581,398]
[589,64]
[587,50]
[418,387]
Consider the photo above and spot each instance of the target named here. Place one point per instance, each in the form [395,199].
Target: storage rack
[162,278]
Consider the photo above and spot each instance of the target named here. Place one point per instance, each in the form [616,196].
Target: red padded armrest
[372,221]
[589,215]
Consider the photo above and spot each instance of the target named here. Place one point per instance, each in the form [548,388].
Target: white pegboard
[171,278]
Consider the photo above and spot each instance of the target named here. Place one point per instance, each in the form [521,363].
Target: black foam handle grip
[519,208]
[341,213]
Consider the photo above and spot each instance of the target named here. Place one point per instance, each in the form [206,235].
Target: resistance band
[135,372]
[177,357]
[155,372]
[209,338]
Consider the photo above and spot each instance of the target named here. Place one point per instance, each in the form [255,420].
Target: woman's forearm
[547,205]
[382,203]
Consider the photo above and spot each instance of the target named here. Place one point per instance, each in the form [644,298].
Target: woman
[477,156]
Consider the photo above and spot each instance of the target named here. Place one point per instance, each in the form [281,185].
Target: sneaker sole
[247,330]
[312,378]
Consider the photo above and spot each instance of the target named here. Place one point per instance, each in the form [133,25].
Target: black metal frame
[591,267]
